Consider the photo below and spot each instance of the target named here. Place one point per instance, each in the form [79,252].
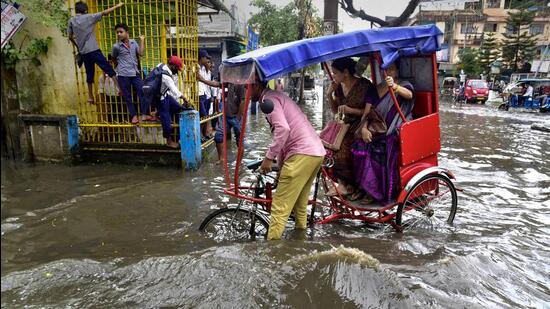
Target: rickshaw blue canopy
[274,61]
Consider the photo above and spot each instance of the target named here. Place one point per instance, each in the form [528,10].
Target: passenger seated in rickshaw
[375,158]
[349,95]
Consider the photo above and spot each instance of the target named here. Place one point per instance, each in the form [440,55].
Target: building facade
[466,22]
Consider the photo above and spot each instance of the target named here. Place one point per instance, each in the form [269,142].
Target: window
[511,29]
[536,29]
[490,27]
[493,4]
[467,28]
[472,5]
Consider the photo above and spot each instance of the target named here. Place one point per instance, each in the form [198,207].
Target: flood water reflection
[125,236]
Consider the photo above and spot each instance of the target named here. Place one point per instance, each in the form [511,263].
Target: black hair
[345,63]
[123,26]
[81,7]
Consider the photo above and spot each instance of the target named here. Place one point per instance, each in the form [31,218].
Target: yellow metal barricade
[170,27]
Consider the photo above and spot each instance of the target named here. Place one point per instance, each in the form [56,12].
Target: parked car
[476,90]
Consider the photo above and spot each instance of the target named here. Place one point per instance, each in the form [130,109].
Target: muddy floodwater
[117,236]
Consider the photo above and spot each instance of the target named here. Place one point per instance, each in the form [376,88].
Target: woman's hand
[365,134]
[333,87]
[342,109]
[390,82]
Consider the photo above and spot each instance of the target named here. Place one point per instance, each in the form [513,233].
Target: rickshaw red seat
[420,139]
[423,104]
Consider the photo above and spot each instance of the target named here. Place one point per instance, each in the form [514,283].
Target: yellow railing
[170,27]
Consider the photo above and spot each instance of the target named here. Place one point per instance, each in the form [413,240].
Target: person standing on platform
[127,52]
[205,83]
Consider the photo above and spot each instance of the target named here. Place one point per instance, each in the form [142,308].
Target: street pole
[330,26]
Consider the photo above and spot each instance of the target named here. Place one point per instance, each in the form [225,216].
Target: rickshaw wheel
[233,224]
[431,202]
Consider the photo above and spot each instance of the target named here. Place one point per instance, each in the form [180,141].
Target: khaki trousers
[292,193]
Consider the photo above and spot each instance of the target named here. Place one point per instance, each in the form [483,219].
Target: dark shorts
[204,105]
[91,59]
[231,123]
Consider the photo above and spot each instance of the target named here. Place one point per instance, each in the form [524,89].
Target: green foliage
[275,25]
[278,25]
[50,13]
[468,61]
[10,55]
[518,46]
[524,4]
[36,47]
[488,52]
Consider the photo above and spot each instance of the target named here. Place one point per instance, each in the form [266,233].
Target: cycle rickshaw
[427,193]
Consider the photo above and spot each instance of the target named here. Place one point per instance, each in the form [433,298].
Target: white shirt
[204,89]
[214,91]
[528,92]
[107,85]
[169,84]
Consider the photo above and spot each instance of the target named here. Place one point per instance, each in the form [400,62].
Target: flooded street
[125,236]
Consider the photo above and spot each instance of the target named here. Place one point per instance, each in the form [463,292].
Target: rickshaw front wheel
[234,224]
[431,203]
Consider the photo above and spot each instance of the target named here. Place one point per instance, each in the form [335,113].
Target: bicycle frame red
[409,164]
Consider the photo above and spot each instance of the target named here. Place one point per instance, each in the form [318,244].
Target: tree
[518,46]
[468,61]
[276,25]
[488,52]
[347,5]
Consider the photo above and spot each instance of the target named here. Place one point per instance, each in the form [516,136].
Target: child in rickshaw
[375,157]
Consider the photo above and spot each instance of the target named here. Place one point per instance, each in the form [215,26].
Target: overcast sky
[378,8]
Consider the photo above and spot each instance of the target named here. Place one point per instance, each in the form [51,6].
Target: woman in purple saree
[376,159]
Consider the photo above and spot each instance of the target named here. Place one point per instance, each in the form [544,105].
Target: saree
[359,95]
[376,163]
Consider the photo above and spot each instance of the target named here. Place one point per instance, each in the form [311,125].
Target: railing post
[72,134]
[253,108]
[190,140]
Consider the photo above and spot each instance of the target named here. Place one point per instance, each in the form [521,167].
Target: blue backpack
[152,85]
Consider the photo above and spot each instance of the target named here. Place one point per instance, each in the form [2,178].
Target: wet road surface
[124,236]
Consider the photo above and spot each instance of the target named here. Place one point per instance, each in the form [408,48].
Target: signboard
[442,55]
[328,28]
[540,66]
[12,20]
[253,40]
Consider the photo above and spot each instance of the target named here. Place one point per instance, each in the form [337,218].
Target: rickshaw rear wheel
[431,202]
[234,224]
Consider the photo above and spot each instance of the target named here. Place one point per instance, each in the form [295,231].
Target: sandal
[334,191]
[366,200]
[356,195]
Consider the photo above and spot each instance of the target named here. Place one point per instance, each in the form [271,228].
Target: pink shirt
[292,132]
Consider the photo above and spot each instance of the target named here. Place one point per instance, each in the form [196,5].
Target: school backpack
[152,85]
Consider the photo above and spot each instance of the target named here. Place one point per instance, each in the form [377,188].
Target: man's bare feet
[147,118]
[135,120]
[172,144]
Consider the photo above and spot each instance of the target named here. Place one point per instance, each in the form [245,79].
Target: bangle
[396,88]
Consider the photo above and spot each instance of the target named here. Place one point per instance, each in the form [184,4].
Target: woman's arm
[352,111]
[403,92]
[399,90]
[333,99]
